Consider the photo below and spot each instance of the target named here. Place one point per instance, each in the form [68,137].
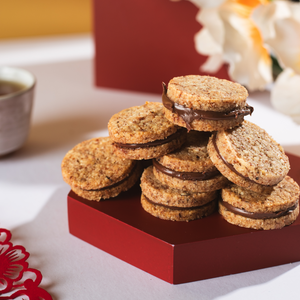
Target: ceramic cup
[16,100]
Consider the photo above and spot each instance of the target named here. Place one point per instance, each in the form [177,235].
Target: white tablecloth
[69,109]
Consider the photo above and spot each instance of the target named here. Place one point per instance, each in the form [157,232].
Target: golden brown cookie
[93,170]
[275,210]
[190,167]
[177,213]
[249,157]
[112,190]
[163,195]
[205,103]
[143,132]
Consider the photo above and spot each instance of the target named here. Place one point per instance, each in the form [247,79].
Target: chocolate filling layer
[230,166]
[117,183]
[185,175]
[153,143]
[189,115]
[256,215]
[177,207]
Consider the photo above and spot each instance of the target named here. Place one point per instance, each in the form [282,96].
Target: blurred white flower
[230,35]
[244,34]
[285,94]
[279,23]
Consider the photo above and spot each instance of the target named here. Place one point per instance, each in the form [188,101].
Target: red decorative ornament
[17,281]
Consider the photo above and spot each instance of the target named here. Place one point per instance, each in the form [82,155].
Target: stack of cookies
[198,147]
[259,195]
[102,168]
[184,185]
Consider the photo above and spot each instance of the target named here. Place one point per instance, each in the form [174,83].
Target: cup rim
[20,92]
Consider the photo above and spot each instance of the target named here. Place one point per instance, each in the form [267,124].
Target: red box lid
[139,44]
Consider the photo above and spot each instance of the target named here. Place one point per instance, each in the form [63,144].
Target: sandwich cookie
[205,103]
[168,203]
[190,168]
[94,172]
[143,132]
[248,157]
[248,209]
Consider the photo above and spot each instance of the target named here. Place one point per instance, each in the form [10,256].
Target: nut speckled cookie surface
[248,209]
[157,192]
[206,93]
[192,156]
[177,214]
[284,195]
[205,103]
[255,157]
[113,190]
[193,186]
[190,167]
[92,164]
[140,124]
[143,132]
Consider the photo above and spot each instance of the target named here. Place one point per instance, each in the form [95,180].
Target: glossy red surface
[139,44]
[179,252]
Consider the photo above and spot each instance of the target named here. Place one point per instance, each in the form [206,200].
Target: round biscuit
[140,124]
[92,164]
[252,153]
[206,93]
[259,224]
[150,152]
[191,157]
[172,214]
[204,125]
[192,186]
[284,195]
[110,192]
[157,192]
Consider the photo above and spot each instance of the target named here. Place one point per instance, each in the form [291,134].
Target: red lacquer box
[139,44]
[180,252]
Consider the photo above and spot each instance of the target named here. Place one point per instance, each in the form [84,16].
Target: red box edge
[236,254]
[163,252]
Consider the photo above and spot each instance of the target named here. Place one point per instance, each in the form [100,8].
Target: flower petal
[205,44]
[286,45]
[285,94]
[249,61]
[211,21]
[279,23]
[213,63]
[229,31]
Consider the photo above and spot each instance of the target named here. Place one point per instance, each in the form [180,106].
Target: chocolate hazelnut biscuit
[143,132]
[190,167]
[275,210]
[248,157]
[168,203]
[94,172]
[205,103]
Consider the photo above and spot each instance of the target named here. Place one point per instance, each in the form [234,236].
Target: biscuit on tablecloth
[248,157]
[167,203]
[205,103]
[143,132]
[275,210]
[190,167]
[94,172]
